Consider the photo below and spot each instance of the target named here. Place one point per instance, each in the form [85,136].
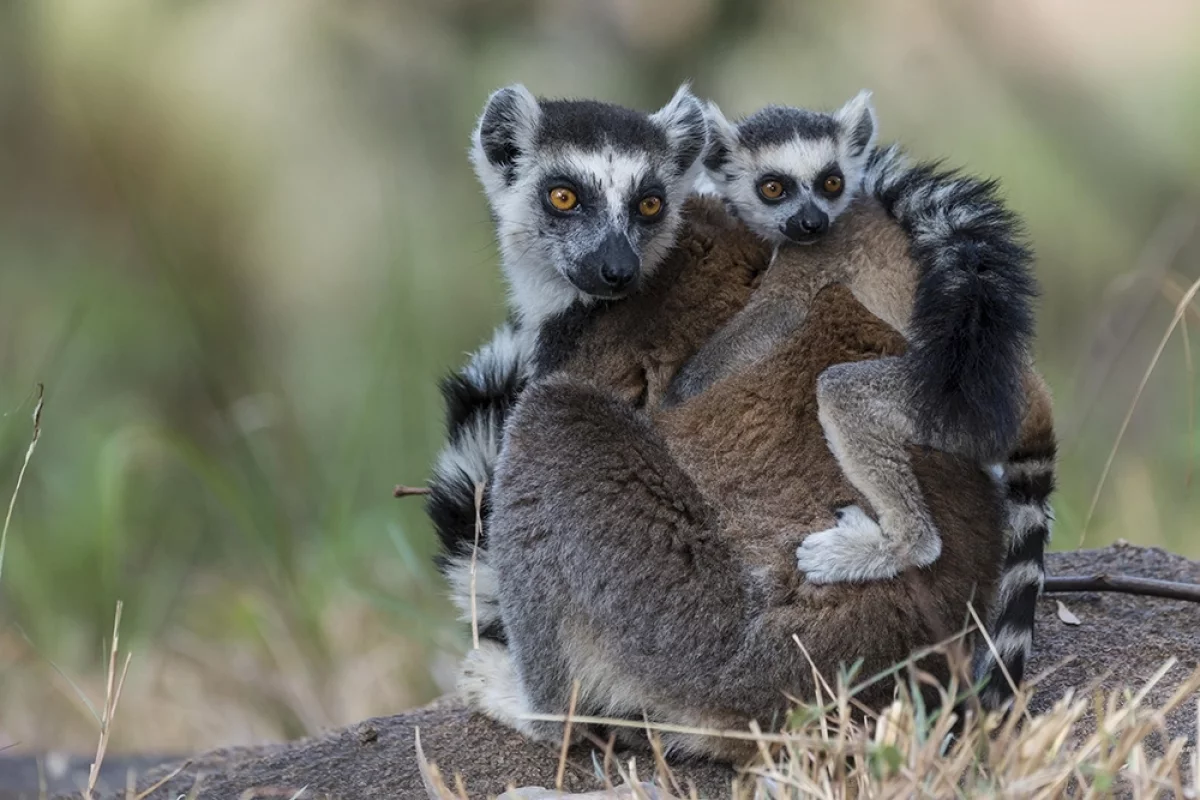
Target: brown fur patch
[754,442]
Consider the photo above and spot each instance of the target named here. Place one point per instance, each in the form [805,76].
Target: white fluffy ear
[722,139]
[682,120]
[505,132]
[859,124]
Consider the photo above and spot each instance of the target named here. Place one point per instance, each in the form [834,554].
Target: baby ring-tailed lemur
[586,198]
[781,168]
[518,144]
[788,173]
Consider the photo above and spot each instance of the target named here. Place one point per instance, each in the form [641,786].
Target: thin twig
[431,776]
[996,657]
[566,742]
[1174,290]
[12,503]
[1123,584]
[170,776]
[409,491]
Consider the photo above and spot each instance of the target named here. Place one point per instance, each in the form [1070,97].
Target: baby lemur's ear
[722,138]
[505,131]
[859,124]
[682,120]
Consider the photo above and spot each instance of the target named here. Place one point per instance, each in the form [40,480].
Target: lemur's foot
[488,682]
[856,550]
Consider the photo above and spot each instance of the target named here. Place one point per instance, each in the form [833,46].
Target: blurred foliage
[240,243]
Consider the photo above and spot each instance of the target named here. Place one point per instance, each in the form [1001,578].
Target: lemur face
[788,172]
[586,195]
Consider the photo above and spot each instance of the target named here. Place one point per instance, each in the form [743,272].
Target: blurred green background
[240,242]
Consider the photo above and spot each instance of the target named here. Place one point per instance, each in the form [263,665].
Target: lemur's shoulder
[635,346]
[866,226]
[866,250]
[864,237]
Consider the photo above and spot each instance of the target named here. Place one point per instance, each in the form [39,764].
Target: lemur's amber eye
[563,198]
[833,184]
[771,189]
[650,206]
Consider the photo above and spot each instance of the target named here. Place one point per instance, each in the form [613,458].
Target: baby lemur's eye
[563,198]
[771,189]
[833,184]
[650,206]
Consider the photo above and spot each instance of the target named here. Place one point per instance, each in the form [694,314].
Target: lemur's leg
[868,426]
[614,571]
[746,339]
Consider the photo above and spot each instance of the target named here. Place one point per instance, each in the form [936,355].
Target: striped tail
[1029,482]
[478,399]
[970,341]
[972,320]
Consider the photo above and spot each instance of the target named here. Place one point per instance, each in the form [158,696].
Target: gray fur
[652,557]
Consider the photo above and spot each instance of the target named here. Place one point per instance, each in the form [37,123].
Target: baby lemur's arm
[779,306]
[747,339]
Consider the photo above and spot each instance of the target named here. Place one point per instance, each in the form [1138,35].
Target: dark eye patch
[786,181]
[831,171]
[586,193]
[648,185]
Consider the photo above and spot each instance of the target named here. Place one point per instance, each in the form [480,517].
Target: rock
[1121,639]
[340,764]
[1127,637]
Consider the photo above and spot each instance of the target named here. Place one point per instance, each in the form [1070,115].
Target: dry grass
[1181,308]
[33,441]
[1092,743]
[112,698]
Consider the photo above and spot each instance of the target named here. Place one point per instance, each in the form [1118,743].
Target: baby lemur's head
[789,172]
[585,195]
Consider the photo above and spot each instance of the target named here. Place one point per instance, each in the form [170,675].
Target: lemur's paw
[853,551]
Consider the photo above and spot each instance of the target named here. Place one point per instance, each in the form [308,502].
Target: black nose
[618,263]
[616,275]
[806,224]
[814,223]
